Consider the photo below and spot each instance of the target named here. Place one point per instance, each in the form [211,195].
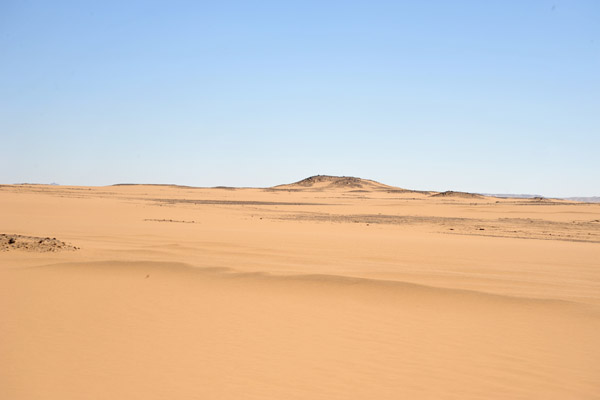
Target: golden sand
[319,290]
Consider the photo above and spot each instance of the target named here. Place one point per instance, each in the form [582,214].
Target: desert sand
[330,288]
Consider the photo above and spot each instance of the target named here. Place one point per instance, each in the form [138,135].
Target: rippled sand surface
[323,290]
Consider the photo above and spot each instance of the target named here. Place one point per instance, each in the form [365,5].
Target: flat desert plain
[330,288]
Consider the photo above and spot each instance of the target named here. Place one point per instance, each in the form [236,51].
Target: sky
[479,96]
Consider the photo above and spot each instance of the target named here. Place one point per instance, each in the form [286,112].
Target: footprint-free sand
[326,289]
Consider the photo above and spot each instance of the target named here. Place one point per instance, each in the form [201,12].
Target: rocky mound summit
[463,195]
[335,181]
[10,242]
[325,182]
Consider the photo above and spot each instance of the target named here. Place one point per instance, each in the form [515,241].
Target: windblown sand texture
[330,288]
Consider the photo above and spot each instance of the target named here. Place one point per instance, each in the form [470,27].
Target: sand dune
[331,291]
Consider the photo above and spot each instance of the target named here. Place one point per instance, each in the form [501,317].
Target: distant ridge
[328,182]
[338,181]
[584,199]
[593,199]
[152,184]
[355,184]
[464,195]
[511,195]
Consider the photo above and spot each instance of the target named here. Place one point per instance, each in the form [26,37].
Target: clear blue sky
[485,96]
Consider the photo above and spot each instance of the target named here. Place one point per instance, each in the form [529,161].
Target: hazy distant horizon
[467,96]
[594,198]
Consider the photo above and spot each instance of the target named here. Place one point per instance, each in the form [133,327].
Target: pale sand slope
[307,294]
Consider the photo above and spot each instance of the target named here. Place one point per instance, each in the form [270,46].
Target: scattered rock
[10,242]
[170,220]
[463,195]
[348,183]
[335,181]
